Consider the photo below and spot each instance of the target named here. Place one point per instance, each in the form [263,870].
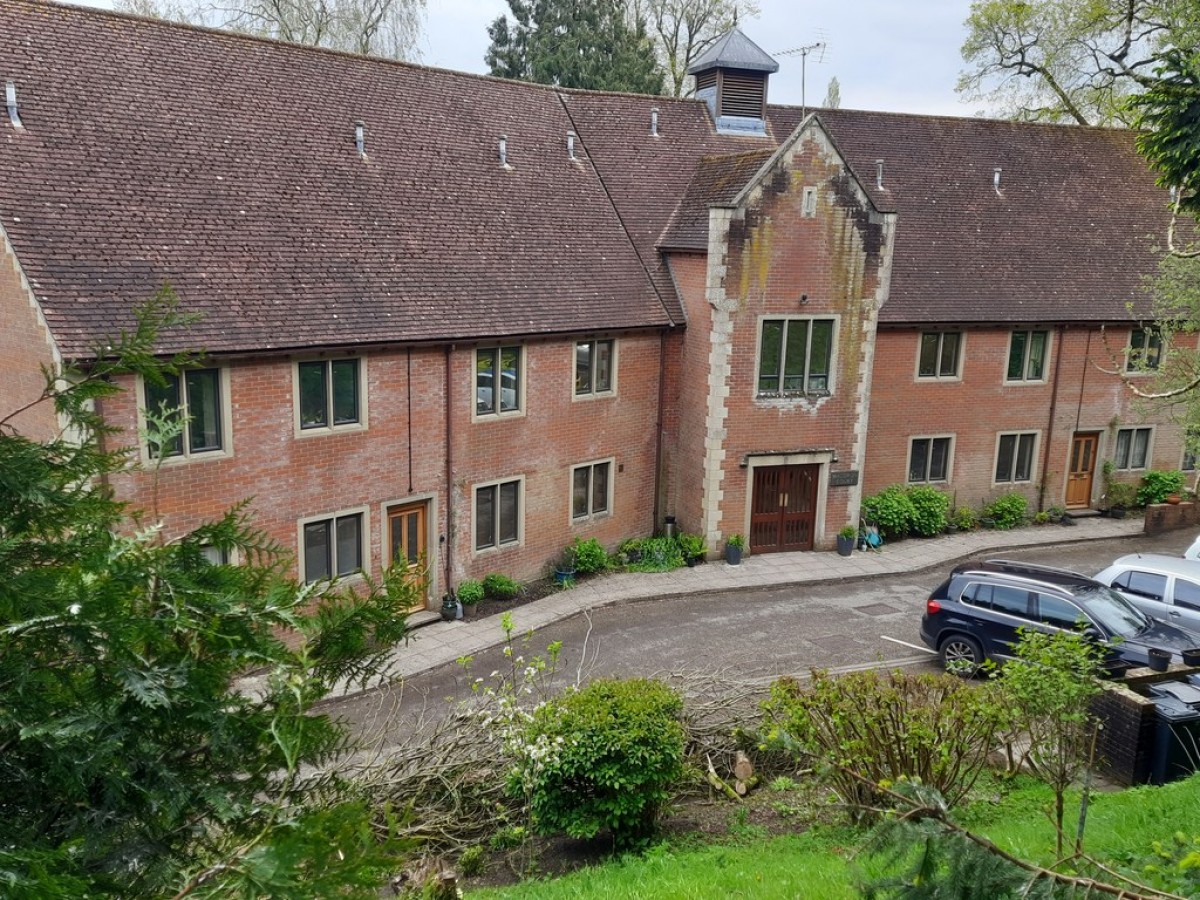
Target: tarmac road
[744,635]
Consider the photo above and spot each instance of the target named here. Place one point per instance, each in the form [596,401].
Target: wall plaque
[843,479]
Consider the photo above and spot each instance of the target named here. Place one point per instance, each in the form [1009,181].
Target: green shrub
[690,545]
[1157,484]
[659,554]
[890,510]
[612,752]
[1007,510]
[471,861]
[965,518]
[873,727]
[469,592]
[930,507]
[590,556]
[500,587]
[1121,494]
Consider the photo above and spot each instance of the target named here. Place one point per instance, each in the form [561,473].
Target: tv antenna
[803,52]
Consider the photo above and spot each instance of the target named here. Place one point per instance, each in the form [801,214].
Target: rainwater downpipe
[658,429]
[448,537]
[410,422]
[1058,355]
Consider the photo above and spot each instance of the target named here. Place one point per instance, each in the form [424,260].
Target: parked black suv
[975,613]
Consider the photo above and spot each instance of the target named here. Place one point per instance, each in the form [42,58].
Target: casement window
[497,381]
[1191,448]
[1014,457]
[594,365]
[1145,350]
[1132,448]
[332,546]
[591,490]
[497,514]
[795,356]
[1027,356]
[194,401]
[939,354]
[329,394]
[928,459]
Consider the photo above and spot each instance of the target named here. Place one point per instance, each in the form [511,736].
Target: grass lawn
[818,864]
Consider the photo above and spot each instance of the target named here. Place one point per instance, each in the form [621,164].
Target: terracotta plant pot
[1173,499]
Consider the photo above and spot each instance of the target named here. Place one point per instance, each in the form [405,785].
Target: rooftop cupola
[731,77]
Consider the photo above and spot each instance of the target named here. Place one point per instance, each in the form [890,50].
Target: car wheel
[961,655]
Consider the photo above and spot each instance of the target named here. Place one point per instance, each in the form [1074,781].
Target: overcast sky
[887,55]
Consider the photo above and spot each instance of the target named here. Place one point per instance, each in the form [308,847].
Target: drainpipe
[658,427]
[1050,423]
[448,537]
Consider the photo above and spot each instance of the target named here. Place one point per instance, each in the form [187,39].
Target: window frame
[1151,340]
[360,424]
[1035,440]
[949,458]
[592,514]
[363,514]
[497,546]
[1046,347]
[186,454]
[808,203]
[1147,450]
[496,413]
[958,360]
[831,360]
[592,393]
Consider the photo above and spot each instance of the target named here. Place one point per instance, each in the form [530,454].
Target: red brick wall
[978,407]
[25,347]
[291,477]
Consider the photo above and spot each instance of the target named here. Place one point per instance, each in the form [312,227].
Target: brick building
[472,319]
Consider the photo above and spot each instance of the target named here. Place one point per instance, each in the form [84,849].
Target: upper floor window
[1145,349]
[333,546]
[593,367]
[497,380]
[497,514]
[1133,448]
[1027,356]
[192,401]
[939,354]
[795,356]
[590,490]
[329,393]
[928,459]
[1014,457]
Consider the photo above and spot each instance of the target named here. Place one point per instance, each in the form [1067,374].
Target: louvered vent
[706,80]
[742,95]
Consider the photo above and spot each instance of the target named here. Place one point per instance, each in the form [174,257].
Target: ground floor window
[1132,449]
[590,486]
[928,459]
[333,546]
[497,514]
[1014,457]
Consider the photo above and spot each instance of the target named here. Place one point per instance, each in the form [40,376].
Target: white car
[1163,587]
[1193,552]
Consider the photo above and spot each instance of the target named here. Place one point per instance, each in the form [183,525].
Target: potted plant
[692,548]
[564,570]
[470,592]
[449,608]
[1159,659]
[735,545]
[1120,497]
[846,539]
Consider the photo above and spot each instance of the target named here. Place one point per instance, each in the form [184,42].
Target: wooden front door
[407,535]
[1083,469]
[783,511]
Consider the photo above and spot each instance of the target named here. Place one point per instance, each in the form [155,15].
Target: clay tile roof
[227,167]
[716,182]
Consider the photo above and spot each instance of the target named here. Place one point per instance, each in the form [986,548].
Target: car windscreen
[1112,611]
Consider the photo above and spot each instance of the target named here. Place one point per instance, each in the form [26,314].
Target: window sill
[325,431]
[185,458]
[792,395]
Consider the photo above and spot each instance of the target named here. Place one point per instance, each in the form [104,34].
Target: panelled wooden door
[1083,469]
[407,538]
[783,511]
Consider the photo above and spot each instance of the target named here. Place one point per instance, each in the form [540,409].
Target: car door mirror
[1093,634]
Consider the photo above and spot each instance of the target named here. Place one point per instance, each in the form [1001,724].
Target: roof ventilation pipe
[571,145]
[504,150]
[879,174]
[996,178]
[10,100]
[654,121]
[360,138]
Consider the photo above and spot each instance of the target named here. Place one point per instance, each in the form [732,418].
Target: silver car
[1164,587]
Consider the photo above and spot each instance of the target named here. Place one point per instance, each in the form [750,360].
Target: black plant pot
[1191,656]
[845,545]
[449,608]
[733,555]
[1159,659]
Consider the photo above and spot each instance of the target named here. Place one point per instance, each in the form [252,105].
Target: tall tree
[833,94]
[389,28]
[683,29]
[132,764]
[584,44]
[1069,60]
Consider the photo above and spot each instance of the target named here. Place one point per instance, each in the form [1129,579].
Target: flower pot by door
[733,555]
[845,545]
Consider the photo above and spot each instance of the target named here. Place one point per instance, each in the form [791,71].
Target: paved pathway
[444,642]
